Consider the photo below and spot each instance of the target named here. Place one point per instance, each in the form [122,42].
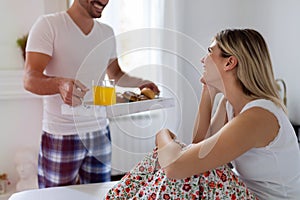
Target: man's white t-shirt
[271,172]
[74,55]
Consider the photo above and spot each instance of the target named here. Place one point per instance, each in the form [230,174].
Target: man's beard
[92,8]
[96,5]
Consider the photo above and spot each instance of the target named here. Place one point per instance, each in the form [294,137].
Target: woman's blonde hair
[254,68]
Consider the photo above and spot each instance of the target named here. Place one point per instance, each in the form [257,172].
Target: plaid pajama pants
[69,159]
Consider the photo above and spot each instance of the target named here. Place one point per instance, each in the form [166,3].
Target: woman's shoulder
[262,108]
[263,103]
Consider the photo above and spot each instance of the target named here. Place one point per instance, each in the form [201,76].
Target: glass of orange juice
[104,93]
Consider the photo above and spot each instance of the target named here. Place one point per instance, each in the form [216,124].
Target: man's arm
[37,82]
[123,79]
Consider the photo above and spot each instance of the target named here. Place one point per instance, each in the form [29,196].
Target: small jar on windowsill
[3,185]
[4,182]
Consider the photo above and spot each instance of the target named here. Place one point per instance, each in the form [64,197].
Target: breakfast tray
[119,109]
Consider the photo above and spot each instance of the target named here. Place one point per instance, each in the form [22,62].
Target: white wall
[16,18]
[277,20]
[20,116]
[20,111]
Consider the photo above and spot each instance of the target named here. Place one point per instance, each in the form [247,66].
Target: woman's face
[213,64]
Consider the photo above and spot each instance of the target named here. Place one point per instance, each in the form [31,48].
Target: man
[73,148]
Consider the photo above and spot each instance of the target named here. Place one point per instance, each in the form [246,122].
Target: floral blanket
[148,181]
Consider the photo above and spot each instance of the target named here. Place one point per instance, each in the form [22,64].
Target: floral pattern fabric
[148,181]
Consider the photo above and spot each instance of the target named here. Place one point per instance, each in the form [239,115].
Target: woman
[250,129]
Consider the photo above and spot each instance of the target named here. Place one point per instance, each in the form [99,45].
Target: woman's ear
[231,63]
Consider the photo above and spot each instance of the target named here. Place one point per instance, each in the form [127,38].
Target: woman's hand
[213,91]
[203,121]
[163,137]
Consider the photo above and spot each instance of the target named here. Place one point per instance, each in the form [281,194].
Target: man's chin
[96,16]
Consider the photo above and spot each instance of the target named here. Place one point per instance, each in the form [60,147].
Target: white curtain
[128,18]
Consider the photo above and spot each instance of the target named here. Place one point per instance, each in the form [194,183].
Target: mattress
[95,191]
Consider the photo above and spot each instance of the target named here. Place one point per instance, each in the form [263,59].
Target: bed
[95,191]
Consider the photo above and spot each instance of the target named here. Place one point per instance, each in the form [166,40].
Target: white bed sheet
[95,191]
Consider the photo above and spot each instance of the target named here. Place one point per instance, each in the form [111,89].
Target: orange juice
[104,96]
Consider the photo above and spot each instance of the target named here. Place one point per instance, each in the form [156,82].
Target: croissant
[148,93]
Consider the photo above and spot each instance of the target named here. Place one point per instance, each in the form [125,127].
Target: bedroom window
[130,19]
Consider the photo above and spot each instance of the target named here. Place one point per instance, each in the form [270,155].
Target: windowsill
[11,85]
